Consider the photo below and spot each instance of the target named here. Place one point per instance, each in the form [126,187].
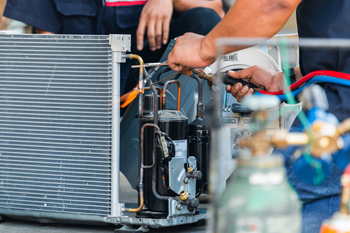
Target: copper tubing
[142,167]
[159,90]
[178,94]
[140,86]
[200,101]
[164,185]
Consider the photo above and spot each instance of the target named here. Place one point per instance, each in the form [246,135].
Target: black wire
[201,189]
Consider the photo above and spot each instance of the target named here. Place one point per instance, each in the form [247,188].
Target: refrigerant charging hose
[322,76]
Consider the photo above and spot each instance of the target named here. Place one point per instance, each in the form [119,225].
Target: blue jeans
[320,202]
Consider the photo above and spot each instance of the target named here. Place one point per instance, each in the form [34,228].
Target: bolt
[178,206]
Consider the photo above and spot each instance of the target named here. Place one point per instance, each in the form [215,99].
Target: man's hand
[155,16]
[189,52]
[270,79]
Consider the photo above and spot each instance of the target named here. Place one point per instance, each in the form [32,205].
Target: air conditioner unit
[59,130]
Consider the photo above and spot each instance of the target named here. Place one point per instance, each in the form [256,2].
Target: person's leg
[198,20]
[37,13]
[314,213]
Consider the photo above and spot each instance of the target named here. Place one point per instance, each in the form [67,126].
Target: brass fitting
[183,195]
[190,169]
[325,138]
[208,77]
[260,143]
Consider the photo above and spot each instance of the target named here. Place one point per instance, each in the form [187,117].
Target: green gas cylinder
[259,199]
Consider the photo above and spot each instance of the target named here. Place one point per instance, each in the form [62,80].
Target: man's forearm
[250,18]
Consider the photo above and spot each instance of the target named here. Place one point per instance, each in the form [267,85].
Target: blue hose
[318,79]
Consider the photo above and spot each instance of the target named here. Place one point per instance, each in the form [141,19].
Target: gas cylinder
[259,199]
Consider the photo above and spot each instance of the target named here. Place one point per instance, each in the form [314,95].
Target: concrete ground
[127,194]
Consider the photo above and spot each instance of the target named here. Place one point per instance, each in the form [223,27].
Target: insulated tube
[130,210]
[155,105]
[140,86]
[200,101]
[178,94]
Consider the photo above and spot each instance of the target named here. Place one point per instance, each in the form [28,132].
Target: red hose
[308,77]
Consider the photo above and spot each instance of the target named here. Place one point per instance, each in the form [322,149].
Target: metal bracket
[177,174]
[192,162]
[176,209]
[120,45]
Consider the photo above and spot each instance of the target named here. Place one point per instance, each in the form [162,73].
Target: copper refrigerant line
[140,86]
[178,94]
[142,167]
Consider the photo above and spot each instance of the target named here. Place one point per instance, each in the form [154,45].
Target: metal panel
[55,123]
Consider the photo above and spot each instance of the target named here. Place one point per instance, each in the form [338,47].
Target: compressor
[174,125]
